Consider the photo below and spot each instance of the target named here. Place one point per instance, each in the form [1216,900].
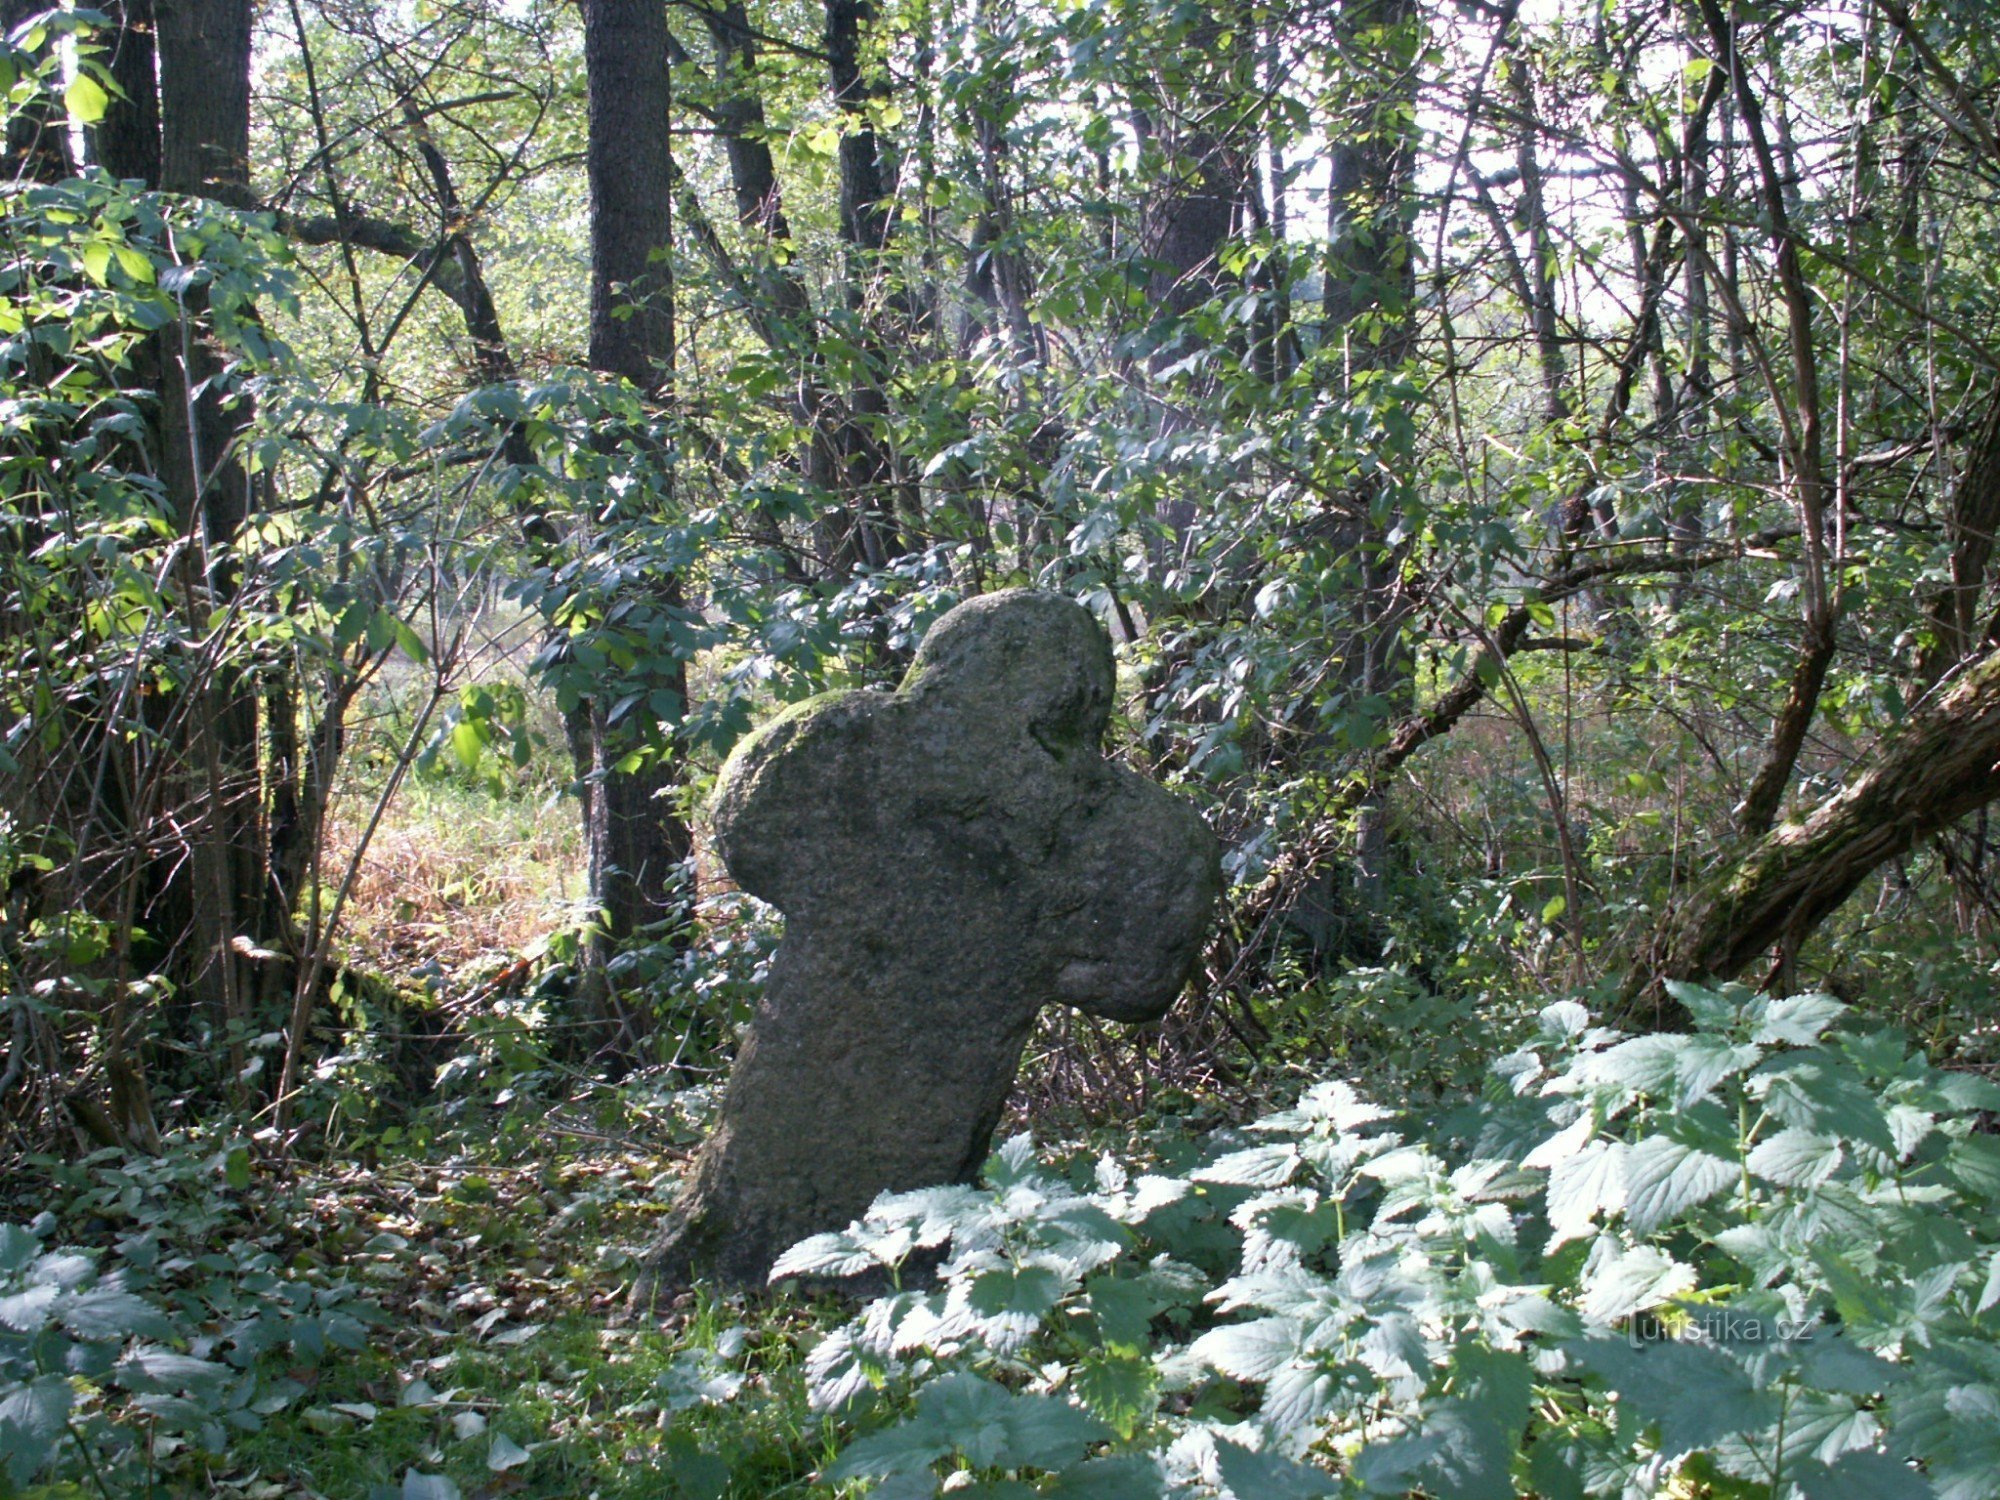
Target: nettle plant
[119,1368]
[1755,1259]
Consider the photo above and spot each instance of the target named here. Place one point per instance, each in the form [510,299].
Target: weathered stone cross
[949,858]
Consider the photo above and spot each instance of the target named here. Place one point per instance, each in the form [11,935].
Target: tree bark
[128,138]
[1939,765]
[629,160]
[636,844]
[203,49]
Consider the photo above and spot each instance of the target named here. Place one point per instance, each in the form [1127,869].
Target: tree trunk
[128,138]
[1371,278]
[629,160]
[1940,764]
[203,51]
[636,844]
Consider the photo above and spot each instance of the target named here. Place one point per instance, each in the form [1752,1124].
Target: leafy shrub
[107,1374]
[1761,1258]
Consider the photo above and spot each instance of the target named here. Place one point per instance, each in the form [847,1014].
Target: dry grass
[456,881]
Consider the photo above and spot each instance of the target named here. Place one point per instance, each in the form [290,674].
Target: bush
[1761,1258]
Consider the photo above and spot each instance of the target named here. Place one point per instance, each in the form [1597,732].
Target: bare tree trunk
[1938,765]
[637,844]
[1802,445]
[1371,274]
[203,49]
[867,470]
[127,140]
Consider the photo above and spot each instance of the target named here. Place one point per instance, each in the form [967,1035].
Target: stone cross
[949,858]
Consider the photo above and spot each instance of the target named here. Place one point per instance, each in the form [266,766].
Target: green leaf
[163,1371]
[85,99]
[1646,1064]
[1975,1164]
[1253,1351]
[1259,1166]
[1797,1019]
[17,1248]
[1010,1302]
[1694,1393]
[1118,1388]
[1251,1475]
[40,1409]
[111,1312]
[28,1311]
[1706,1061]
[990,1425]
[1860,1476]
[1584,1184]
[1619,1283]
[1796,1158]
[1127,1477]
[1664,1179]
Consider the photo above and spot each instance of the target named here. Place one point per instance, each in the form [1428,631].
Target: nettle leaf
[1974,1163]
[991,1426]
[1705,1062]
[1120,1388]
[1394,1348]
[1967,1091]
[1834,1362]
[163,1371]
[1563,1021]
[1950,1422]
[934,1214]
[1332,1106]
[839,1253]
[1014,1163]
[1253,1351]
[1820,1428]
[1990,1293]
[1645,1065]
[1123,1311]
[1126,1477]
[1720,1009]
[18,1246]
[1796,1158]
[1816,1091]
[1259,1166]
[39,1409]
[108,1311]
[1693,1393]
[1298,1396]
[1860,1476]
[1619,1282]
[1010,1303]
[28,1311]
[1583,1185]
[1665,1178]
[1286,1226]
[1471,1438]
[839,1371]
[1248,1474]
[1796,1020]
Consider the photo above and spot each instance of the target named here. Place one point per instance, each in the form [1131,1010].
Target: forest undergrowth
[1356,1253]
